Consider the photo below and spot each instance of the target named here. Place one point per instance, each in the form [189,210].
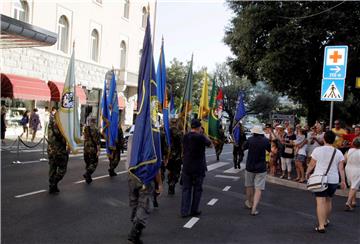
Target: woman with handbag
[326,162]
[352,170]
[287,155]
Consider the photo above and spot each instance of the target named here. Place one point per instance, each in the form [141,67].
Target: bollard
[43,152]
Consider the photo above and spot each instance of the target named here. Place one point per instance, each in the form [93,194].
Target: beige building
[107,34]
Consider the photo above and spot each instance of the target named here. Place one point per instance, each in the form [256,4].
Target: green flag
[213,119]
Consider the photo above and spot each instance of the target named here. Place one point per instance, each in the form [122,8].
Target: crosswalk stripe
[228,177]
[30,193]
[191,222]
[232,171]
[216,165]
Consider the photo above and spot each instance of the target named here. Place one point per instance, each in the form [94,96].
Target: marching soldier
[91,148]
[58,155]
[239,139]
[115,154]
[175,157]
[219,143]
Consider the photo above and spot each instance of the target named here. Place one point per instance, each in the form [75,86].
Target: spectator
[3,124]
[194,167]
[274,155]
[320,160]
[255,173]
[300,155]
[339,132]
[24,122]
[315,139]
[352,170]
[287,154]
[35,124]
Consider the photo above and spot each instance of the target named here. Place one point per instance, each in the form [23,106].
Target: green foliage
[283,44]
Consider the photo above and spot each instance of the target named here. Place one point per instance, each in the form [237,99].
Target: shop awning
[21,87]
[121,101]
[56,89]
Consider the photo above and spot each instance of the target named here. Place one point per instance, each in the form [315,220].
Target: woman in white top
[320,160]
[352,170]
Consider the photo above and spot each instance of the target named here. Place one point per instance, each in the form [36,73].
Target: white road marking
[226,188]
[100,177]
[45,159]
[228,177]
[212,202]
[232,171]
[209,155]
[216,165]
[30,193]
[191,222]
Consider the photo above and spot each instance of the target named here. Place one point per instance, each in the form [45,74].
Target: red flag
[219,102]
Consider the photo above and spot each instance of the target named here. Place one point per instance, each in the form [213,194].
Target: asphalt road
[99,213]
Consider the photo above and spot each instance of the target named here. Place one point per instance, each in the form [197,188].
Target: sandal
[348,208]
[320,230]
[254,213]
[327,223]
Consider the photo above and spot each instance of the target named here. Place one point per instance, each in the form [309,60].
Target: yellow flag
[67,117]
[204,105]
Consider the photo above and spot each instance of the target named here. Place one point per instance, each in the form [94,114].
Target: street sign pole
[331,113]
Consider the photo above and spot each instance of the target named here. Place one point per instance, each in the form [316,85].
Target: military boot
[112,173]
[135,233]
[87,177]
[53,189]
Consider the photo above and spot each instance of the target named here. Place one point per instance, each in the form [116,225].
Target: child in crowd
[273,157]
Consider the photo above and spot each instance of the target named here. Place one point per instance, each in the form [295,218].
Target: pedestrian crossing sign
[332,90]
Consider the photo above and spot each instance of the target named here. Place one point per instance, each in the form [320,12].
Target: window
[21,11]
[63,34]
[122,55]
[144,18]
[126,9]
[94,45]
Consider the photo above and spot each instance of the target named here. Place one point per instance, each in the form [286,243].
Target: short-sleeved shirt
[194,162]
[288,139]
[257,145]
[339,139]
[299,140]
[322,155]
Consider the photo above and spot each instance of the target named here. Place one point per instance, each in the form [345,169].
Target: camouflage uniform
[238,151]
[115,154]
[219,143]
[58,155]
[175,158]
[91,150]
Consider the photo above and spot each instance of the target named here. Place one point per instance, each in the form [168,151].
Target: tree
[283,44]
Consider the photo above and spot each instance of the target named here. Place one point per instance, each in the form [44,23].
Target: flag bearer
[115,153]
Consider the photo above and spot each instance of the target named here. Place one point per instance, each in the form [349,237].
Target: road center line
[30,193]
[226,188]
[212,202]
[191,222]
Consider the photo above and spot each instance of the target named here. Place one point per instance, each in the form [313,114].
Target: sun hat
[257,129]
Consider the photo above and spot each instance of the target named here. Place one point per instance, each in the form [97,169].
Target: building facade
[108,34]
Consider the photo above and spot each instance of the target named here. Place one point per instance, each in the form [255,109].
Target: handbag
[319,183]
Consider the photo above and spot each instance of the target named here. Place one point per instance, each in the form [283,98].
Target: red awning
[15,86]
[121,102]
[56,89]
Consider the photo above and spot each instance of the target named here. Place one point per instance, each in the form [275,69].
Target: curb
[301,186]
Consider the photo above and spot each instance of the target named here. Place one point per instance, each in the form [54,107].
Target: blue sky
[192,27]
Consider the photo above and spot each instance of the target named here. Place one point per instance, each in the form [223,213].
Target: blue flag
[161,76]
[240,113]
[240,109]
[114,109]
[162,92]
[105,118]
[145,158]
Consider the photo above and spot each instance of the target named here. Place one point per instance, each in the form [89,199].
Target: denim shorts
[301,158]
[329,192]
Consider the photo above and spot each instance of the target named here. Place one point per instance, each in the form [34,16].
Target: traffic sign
[357,84]
[335,61]
[332,90]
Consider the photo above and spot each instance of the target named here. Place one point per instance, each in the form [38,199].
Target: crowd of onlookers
[289,144]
